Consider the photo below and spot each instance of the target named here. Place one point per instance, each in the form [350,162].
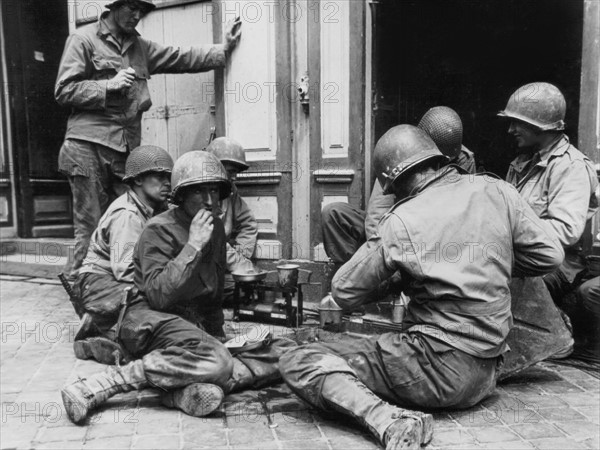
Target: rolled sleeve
[569,199]
[125,231]
[358,281]
[245,229]
[74,87]
[537,250]
[165,59]
[168,278]
[379,204]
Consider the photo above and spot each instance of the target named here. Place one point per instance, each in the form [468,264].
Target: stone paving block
[70,433]
[564,414]
[536,402]
[248,432]
[105,430]
[448,437]
[536,430]
[151,426]
[66,445]
[22,435]
[580,399]
[357,442]
[494,434]
[202,438]
[480,418]
[164,441]
[556,443]
[296,432]
[112,443]
[560,387]
[306,444]
[591,412]
[592,385]
[580,431]
[511,445]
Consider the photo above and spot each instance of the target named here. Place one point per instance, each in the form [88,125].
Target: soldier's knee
[330,211]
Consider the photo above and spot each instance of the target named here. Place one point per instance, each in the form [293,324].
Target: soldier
[346,228]
[241,230]
[172,327]
[108,267]
[554,178]
[444,126]
[455,240]
[103,77]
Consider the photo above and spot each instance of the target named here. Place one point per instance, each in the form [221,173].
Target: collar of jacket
[438,176]
[103,30]
[146,210]
[556,148]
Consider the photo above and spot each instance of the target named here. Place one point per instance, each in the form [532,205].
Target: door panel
[253,107]
[336,60]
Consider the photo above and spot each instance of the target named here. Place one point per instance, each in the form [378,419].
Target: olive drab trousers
[410,370]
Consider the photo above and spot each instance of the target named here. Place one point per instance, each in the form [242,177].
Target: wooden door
[34,39]
[253,107]
[337,109]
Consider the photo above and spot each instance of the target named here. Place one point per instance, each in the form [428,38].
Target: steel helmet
[444,126]
[229,150]
[149,4]
[539,104]
[400,149]
[147,158]
[198,167]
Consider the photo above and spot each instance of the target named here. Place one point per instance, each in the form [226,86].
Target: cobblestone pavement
[548,407]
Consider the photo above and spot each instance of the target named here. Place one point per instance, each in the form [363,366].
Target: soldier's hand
[201,229]
[122,80]
[233,33]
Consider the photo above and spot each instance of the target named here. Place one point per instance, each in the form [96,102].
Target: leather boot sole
[76,410]
[405,434]
[197,399]
[100,349]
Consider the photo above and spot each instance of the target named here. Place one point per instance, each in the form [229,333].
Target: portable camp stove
[251,303]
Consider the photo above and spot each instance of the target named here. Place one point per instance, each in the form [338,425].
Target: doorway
[471,56]
[34,39]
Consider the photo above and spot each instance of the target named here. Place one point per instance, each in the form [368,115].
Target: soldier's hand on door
[201,229]
[122,80]
[233,33]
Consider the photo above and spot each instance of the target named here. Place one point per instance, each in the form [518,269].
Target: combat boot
[395,428]
[85,394]
[196,399]
[101,349]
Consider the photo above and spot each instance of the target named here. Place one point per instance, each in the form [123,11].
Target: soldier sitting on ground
[108,267]
[172,327]
[554,178]
[454,240]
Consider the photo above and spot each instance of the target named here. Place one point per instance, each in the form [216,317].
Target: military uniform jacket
[92,56]
[455,245]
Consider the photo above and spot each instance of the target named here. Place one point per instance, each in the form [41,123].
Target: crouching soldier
[108,267]
[171,327]
[346,228]
[455,240]
[240,225]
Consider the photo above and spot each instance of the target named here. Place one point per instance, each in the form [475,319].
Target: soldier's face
[232,171]
[156,186]
[525,135]
[128,15]
[202,196]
